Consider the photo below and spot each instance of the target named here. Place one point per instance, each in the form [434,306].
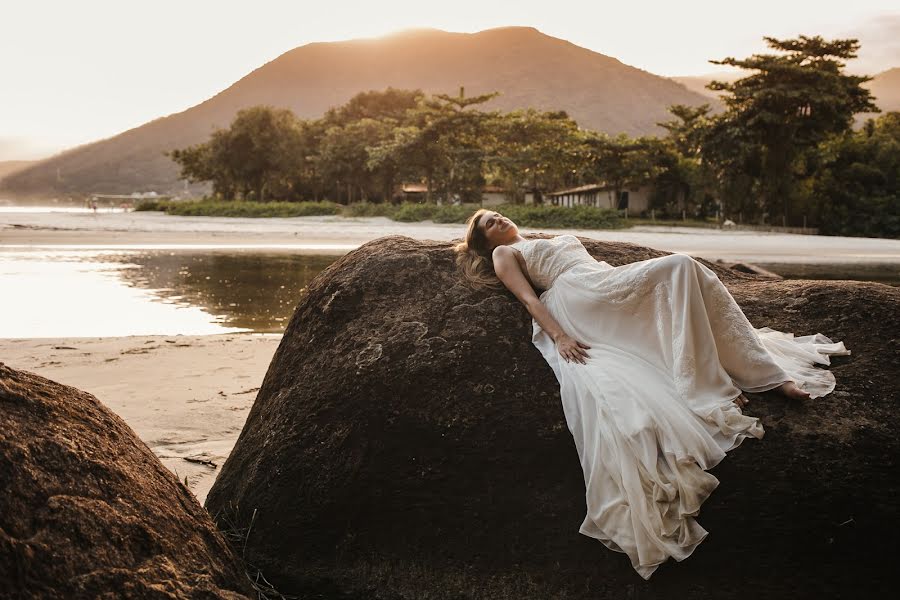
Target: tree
[534,150]
[682,171]
[858,182]
[259,150]
[794,101]
[391,103]
[442,143]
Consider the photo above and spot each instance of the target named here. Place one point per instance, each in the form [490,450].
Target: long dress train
[652,410]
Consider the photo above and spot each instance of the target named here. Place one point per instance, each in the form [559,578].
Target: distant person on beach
[651,358]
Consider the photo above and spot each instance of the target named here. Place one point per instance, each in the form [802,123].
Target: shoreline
[186,397]
[331,235]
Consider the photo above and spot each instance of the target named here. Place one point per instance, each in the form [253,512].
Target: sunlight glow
[75,72]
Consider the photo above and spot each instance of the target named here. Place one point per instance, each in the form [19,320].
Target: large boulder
[87,510]
[408,442]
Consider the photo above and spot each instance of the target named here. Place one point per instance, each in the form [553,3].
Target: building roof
[421,188]
[591,187]
[594,187]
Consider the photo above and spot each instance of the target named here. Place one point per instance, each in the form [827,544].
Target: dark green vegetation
[238,208]
[410,212]
[363,150]
[782,152]
[859,179]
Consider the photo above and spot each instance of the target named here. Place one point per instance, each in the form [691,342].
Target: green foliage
[152,205]
[619,161]
[236,208]
[858,185]
[408,212]
[257,156]
[582,217]
[683,178]
[777,116]
[525,215]
[531,150]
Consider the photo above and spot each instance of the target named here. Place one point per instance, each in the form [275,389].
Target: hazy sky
[73,72]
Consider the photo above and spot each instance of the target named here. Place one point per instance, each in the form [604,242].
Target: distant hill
[697,83]
[8,167]
[531,69]
[886,89]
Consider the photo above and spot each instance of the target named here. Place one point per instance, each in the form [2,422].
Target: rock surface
[87,510]
[408,442]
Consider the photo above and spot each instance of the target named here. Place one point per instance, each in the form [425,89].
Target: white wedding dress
[652,410]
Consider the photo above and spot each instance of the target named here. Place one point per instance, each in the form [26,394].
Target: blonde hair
[474,257]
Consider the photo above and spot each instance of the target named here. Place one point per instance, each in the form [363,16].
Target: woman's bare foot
[741,401]
[790,389]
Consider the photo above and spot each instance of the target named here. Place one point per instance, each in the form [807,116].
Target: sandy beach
[186,397]
[338,235]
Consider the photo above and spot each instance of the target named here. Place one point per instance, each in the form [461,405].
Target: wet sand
[186,397]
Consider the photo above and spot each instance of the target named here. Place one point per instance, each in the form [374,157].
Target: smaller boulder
[87,510]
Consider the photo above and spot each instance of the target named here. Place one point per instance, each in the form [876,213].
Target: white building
[633,199]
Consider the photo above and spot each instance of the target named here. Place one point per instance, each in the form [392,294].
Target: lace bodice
[548,258]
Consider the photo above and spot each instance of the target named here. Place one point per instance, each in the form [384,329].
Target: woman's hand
[571,349]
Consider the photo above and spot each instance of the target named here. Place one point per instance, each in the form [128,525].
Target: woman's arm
[510,273]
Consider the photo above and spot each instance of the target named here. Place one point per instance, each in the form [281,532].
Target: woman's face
[497,229]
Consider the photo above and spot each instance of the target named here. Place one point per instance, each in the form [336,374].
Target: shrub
[150,205]
[235,208]
[547,215]
[526,215]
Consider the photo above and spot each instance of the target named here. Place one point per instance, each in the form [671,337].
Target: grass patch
[549,216]
[215,208]
[559,217]
[236,208]
[152,205]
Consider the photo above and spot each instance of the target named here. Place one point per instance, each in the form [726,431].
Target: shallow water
[87,292]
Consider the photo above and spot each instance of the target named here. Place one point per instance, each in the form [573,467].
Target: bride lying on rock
[651,358]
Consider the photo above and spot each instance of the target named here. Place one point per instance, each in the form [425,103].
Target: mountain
[531,69]
[697,83]
[8,167]
[886,88]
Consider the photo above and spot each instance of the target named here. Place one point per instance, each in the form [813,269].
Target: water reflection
[248,290]
[88,293]
[94,293]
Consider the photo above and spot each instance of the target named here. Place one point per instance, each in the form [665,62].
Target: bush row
[217,208]
[586,217]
